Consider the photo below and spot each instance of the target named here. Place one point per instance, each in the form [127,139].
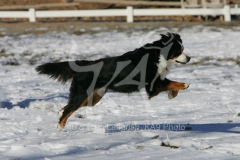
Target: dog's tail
[60,71]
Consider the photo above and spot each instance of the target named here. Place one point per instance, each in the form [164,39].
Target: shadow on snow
[211,127]
[25,103]
[198,128]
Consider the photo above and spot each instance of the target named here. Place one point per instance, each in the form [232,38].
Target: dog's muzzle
[187,59]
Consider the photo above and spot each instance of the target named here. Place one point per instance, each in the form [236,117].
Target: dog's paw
[186,85]
[60,127]
[172,94]
[181,86]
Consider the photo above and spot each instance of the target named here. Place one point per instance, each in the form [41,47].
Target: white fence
[129,12]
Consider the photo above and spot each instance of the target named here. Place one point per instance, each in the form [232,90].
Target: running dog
[145,67]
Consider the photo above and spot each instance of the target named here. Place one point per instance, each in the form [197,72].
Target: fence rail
[38,6]
[132,3]
[129,12]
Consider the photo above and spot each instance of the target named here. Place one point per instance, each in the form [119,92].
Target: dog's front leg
[165,85]
[172,94]
[174,87]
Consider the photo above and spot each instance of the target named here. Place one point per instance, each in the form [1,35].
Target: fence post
[227,13]
[32,15]
[129,14]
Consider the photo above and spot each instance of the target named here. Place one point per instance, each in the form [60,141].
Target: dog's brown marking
[171,86]
[174,57]
[63,119]
[176,86]
[62,123]
[93,99]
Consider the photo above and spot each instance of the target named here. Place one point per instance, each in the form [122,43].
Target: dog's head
[172,49]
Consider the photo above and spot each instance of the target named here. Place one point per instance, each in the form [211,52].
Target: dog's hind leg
[78,100]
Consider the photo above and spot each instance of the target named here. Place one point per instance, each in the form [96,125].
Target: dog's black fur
[133,66]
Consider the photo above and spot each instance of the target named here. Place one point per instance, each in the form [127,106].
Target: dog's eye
[171,56]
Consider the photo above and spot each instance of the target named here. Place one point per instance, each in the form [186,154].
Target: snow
[202,121]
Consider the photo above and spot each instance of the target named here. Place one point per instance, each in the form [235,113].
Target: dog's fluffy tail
[60,71]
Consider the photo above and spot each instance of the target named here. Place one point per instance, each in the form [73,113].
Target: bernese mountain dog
[145,67]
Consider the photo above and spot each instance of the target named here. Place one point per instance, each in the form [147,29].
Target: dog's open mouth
[181,62]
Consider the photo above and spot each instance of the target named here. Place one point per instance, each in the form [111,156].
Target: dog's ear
[166,38]
[163,37]
[177,37]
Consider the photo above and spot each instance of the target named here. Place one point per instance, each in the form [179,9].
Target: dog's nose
[188,59]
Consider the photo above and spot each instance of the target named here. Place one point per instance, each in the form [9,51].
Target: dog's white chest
[163,67]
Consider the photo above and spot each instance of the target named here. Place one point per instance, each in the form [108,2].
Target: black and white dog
[144,67]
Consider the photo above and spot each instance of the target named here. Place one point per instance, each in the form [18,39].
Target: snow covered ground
[202,122]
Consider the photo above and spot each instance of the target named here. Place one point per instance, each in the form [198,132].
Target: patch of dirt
[39,28]
[24,2]
[3,53]
[216,59]
[155,137]
[168,145]
[188,128]
[140,147]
